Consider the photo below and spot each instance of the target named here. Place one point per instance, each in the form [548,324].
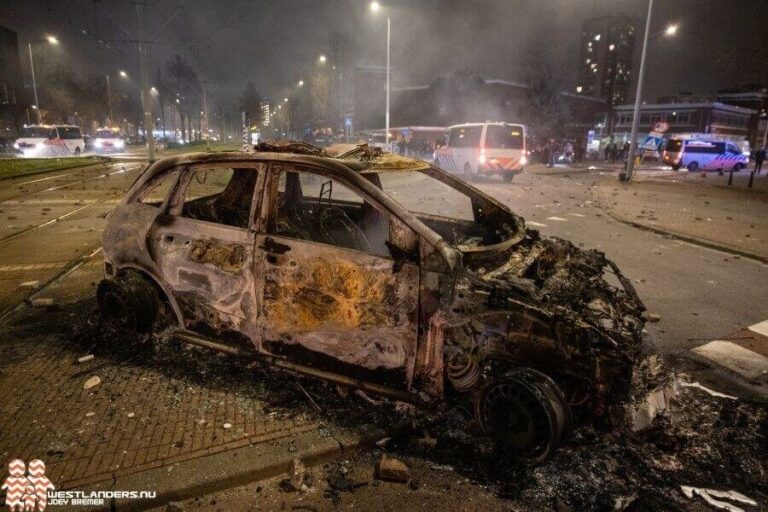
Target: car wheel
[468,172]
[693,166]
[507,177]
[526,411]
[738,167]
[129,303]
[77,151]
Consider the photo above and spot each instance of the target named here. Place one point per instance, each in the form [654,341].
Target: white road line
[43,179]
[535,224]
[558,219]
[736,358]
[761,328]
[575,215]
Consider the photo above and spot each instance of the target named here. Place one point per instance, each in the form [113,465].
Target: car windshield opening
[461,218]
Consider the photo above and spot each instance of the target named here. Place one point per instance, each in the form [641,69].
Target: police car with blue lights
[704,154]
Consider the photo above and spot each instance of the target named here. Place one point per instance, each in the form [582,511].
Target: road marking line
[43,179]
[576,215]
[36,266]
[558,219]
[760,328]
[738,359]
[535,224]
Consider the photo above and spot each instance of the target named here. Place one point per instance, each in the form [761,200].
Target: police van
[705,155]
[490,148]
[54,140]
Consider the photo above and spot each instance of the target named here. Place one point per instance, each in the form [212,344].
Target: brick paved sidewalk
[735,219]
[153,407]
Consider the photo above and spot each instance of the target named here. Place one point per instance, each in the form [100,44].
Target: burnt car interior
[480,223]
[220,195]
[318,209]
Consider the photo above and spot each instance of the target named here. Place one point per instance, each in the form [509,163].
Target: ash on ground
[703,441]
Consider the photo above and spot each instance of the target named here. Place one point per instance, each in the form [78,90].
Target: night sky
[720,43]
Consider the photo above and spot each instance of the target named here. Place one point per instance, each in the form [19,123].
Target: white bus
[491,148]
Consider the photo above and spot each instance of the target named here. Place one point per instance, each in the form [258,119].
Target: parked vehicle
[476,149]
[54,140]
[697,154]
[303,258]
[7,148]
[108,139]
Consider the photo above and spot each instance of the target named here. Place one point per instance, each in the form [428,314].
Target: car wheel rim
[526,412]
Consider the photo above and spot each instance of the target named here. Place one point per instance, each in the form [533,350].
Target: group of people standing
[551,152]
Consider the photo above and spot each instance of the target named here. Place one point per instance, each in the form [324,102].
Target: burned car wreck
[383,273]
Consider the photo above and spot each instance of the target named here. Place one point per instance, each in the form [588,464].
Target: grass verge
[14,167]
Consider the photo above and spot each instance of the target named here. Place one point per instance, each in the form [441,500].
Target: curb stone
[680,236]
[231,468]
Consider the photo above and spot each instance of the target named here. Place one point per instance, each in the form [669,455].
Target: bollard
[751,177]
[730,177]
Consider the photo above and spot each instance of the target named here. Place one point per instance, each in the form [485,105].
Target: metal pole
[386,117]
[205,115]
[109,98]
[34,83]
[638,97]
[146,98]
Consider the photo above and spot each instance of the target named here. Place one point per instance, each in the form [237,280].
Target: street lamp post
[638,99]
[109,100]
[53,41]
[34,82]
[375,6]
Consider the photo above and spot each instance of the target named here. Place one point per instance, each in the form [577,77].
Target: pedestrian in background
[759,159]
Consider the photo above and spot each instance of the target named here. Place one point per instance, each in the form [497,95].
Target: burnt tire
[129,303]
[526,412]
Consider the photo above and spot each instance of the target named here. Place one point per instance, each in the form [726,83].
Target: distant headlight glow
[523,160]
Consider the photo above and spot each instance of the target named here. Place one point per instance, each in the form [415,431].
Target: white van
[696,154]
[56,140]
[483,149]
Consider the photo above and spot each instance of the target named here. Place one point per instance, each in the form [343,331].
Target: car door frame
[241,306]
[261,254]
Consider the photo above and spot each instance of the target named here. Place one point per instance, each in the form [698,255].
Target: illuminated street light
[153,90]
[671,30]
[52,40]
[322,59]
[375,7]
[285,100]
[301,83]
[123,74]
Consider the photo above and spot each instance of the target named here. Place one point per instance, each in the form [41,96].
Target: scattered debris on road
[92,382]
[393,470]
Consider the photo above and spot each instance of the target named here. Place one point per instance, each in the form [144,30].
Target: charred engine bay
[702,440]
[581,318]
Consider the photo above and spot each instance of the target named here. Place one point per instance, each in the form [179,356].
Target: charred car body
[328,264]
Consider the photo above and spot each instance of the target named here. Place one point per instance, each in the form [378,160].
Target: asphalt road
[700,294]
